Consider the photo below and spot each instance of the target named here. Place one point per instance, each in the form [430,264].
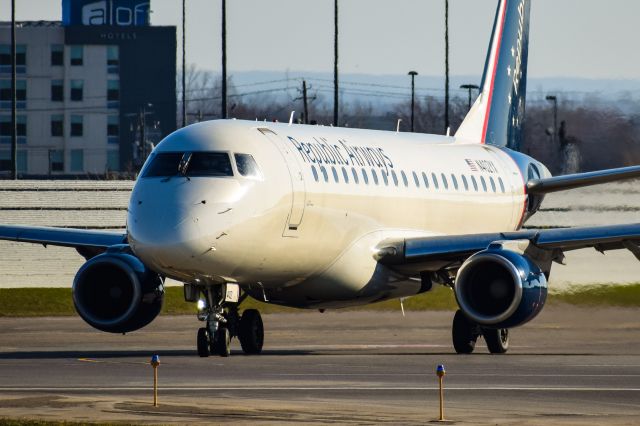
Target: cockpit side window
[247,166]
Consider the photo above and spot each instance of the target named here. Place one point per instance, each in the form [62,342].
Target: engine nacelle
[115,292]
[500,288]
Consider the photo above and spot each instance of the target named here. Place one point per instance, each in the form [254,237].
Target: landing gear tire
[223,342]
[463,333]
[251,332]
[203,342]
[497,339]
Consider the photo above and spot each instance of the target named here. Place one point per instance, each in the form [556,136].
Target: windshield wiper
[182,167]
[184,164]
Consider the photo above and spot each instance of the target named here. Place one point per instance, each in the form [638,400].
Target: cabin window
[355,175]
[335,174]
[324,173]
[245,163]
[416,180]
[315,173]
[455,181]
[425,179]
[475,183]
[395,177]
[484,183]
[434,178]
[493,184]
[385,178]
[444,181]
[465,183]
[404,178]
[364,176]
[501,185]
[345,175]
[375,176]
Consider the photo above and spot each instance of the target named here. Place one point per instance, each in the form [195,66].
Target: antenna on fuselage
[291,118]
[398,125]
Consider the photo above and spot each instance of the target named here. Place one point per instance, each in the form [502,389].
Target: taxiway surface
[569,366]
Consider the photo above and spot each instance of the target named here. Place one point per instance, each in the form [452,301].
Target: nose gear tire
[203,342]
[222,344]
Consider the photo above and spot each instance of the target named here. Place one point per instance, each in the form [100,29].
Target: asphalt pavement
[569,366]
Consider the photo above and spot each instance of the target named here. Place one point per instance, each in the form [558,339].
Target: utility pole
[14,123]
[304,101]
[184,66]
[143,125]
[413,96]
[223,109]
[446,66]
[335,65]
[469,87]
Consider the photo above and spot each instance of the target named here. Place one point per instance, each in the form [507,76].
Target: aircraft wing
[577,180]
[413,255]
[87,242]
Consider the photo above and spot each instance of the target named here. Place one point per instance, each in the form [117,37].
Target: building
[88,91]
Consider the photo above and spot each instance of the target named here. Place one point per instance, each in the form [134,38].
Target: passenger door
[298,189]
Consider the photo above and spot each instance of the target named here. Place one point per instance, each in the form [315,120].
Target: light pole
[335,64]
[184,68]
[469,87]
[223,107]
[413,95]
[446,66]
[554,99]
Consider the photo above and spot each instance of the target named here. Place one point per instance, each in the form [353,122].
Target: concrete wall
[82,204]
[102,204]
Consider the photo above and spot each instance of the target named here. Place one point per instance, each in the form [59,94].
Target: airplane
[320,218]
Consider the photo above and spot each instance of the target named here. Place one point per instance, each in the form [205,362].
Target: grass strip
[28,302]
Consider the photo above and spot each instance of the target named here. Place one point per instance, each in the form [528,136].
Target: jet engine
[115,292]
[500,288]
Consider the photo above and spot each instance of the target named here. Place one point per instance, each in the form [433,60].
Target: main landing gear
[219,311]
[465,333]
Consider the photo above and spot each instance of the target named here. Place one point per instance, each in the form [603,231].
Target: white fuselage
[304,232]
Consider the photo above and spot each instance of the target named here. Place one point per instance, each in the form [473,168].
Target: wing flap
[433,253]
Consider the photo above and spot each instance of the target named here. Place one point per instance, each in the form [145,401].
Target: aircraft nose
[176,227]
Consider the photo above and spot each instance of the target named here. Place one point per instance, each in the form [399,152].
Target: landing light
[201,304]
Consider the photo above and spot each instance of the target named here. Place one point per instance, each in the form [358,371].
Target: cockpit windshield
[190,164]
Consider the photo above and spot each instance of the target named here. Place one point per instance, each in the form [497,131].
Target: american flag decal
[471,164]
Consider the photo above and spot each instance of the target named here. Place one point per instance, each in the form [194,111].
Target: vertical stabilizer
[497,116]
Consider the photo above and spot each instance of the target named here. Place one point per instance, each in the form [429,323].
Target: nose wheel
[223,323]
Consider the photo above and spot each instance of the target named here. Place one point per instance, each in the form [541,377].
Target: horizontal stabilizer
[578,180]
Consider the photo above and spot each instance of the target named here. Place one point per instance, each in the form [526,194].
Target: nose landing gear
[219,311]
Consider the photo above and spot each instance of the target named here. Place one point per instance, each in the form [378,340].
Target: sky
[569,38]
